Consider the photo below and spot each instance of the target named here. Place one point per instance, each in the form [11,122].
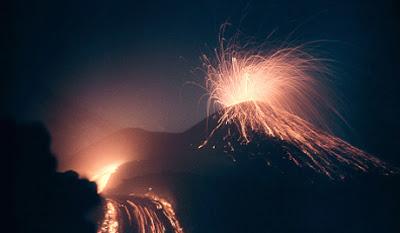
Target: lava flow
[143,214]
[280,94]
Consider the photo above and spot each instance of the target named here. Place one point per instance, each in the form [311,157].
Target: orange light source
[102,177]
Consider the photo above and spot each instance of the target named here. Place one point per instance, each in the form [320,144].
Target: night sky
[89,68]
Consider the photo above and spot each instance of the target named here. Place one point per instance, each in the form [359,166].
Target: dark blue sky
[87,68]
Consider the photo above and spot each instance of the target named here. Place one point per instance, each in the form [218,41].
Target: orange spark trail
[280,94]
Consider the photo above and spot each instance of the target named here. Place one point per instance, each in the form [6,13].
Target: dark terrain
[43,200]
[230,186]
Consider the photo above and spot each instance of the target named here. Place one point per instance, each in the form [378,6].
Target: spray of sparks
[280,94]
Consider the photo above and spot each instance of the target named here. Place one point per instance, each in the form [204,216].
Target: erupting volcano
[280,94]
[267,107]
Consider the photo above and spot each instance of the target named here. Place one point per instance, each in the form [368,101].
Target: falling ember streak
[145,214]
[278,95]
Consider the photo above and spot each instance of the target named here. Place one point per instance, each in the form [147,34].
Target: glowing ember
[280,94]
[104,175]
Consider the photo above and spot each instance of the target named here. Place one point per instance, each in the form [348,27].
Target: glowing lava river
[143,214]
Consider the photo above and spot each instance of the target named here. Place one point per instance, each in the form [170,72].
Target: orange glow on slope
[102,177]
[280,94]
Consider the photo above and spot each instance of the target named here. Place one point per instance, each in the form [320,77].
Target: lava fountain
[281,94]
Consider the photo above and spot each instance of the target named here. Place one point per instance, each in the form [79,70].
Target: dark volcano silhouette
[225,153]
[152,152]
[231,186]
